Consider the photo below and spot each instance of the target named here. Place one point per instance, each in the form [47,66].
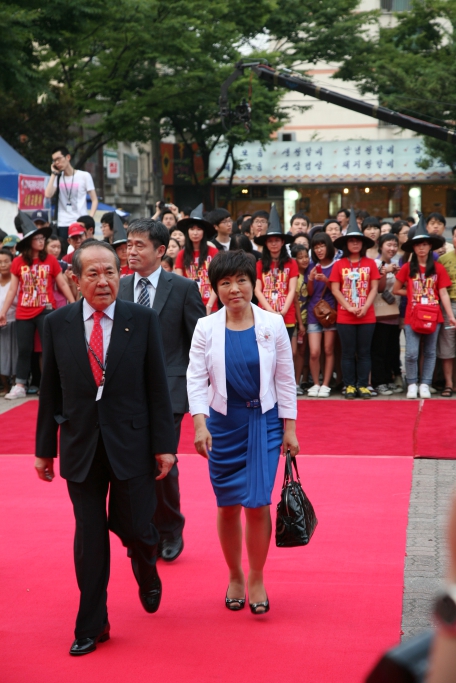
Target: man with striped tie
[104,385]
[178,304]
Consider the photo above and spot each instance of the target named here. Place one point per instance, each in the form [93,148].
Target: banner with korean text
[31,192]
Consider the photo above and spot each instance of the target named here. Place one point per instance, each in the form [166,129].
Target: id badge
[99,392]
[424,300]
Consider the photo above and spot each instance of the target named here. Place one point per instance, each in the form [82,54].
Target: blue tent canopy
[11,165]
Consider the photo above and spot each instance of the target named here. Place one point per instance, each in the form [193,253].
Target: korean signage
[111,163]
[327,162]
[31,192]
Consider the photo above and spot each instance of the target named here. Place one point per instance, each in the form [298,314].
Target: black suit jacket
[179,306]
[134,414]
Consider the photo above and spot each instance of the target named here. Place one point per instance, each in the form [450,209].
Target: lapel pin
[127,329]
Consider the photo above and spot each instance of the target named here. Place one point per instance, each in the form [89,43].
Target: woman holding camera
[244,354]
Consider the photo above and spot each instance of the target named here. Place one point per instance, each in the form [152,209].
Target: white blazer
[207,362]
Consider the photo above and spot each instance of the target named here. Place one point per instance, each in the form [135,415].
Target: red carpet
[436,431]
[425,429]
[331,427]
[335,605]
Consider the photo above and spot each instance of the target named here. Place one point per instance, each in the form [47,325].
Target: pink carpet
[335,605]
[436,429]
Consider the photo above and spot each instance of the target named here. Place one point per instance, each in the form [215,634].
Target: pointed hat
[29,229]
[274,229]
[119,235]
[196,218]
[421,235]
[353,231]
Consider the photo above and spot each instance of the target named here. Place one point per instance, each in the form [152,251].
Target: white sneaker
[324,392]
[16,392]
[299,391]
[424,391]
[383,390]
[412,391]
[313,391]
[431,389]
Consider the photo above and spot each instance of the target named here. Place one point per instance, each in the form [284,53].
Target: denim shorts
[316,327]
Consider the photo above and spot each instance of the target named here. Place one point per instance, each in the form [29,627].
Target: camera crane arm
[241,113]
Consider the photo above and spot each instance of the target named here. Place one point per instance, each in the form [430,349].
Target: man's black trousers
[131,508]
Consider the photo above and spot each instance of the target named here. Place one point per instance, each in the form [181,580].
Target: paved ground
[425,564]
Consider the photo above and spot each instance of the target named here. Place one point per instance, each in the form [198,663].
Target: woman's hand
[290,442]
[362,311]
[2,319]
[321,277]
[451,321]
[312,274]
[203,440]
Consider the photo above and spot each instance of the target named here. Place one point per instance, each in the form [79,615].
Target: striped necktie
[144,298]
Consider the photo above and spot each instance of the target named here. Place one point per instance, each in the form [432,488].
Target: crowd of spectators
[372,272]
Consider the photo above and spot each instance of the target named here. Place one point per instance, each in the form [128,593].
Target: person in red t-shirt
[354,284]
[277,273]
[425,283]
[33,273]
[193,261]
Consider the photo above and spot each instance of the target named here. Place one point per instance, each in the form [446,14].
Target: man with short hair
[178,303]
[73,186]
[436,224]
[221,220]
[168,218]
[343,217]
[104,386]
[299,223]
[107,226]
[258,226]
[89,224]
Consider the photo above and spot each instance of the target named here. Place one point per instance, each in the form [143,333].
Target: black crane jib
[306,87]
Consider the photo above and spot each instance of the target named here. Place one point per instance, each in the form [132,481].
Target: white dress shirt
[153,279]
[105,322]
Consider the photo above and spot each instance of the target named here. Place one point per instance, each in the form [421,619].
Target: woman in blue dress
[243,418]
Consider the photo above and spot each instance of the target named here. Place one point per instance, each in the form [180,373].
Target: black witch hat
[119,235]
[274,229]
[196,218]
[28,229]
[421,235]
[353,231]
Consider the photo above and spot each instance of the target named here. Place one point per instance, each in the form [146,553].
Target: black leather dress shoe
[150,599]
[84,646]
[171,548]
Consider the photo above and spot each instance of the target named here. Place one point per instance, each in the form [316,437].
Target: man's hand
[165,461]
[45,468]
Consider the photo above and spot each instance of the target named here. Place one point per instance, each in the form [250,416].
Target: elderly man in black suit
[104,384]
[177,302]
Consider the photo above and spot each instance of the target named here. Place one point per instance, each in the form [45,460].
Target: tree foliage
[411,67]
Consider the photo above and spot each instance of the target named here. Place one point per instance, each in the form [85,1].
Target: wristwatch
[445,611]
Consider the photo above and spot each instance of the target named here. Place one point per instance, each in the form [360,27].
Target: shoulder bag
[424,317]
[296,520]
[324,313]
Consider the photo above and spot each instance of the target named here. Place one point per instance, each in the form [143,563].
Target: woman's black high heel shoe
[255,606]
[234,601]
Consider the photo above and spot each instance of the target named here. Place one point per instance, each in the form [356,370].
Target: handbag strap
[290,462]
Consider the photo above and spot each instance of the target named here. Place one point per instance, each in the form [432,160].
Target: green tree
[411,68]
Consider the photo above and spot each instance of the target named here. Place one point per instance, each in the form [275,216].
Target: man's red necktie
[96,343]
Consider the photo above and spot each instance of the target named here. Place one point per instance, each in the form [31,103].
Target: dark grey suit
[179,306]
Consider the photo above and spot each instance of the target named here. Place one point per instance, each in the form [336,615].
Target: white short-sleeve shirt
[73,196]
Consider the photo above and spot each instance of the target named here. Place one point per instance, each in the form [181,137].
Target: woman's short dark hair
[5,252]
[370,221]
[296,248]
[397,227]
[322,238]
[240,241]
[168,260]
[387,237]
[228,263]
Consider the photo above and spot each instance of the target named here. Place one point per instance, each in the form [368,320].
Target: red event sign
[31,192]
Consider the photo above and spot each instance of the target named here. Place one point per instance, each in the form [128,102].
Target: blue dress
[245,443]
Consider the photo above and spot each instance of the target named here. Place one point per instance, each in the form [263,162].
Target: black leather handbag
[296,520]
